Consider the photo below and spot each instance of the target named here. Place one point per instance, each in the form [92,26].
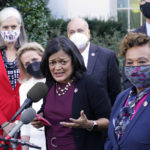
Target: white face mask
[10,36]
[79,39]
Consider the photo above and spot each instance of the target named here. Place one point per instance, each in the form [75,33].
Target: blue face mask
[139,76]
[34,70]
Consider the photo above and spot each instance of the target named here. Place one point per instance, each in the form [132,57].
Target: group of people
[83,83]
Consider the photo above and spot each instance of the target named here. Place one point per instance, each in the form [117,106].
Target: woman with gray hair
[12,36]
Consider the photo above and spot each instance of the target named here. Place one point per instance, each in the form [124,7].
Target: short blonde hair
[31,46]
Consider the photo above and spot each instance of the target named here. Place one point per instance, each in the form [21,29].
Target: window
[129,14]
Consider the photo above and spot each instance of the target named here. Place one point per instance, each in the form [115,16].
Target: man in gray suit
[101,63]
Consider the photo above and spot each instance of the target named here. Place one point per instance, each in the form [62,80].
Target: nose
[58,66]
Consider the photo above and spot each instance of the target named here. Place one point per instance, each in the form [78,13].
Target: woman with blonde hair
[29,58]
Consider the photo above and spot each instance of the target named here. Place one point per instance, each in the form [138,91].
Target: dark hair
[64,44]
[133,39]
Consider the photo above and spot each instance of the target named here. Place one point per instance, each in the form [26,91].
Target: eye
[128,63]
[5,27]
[14,27]
[63,62]
[142,62]
[52,63]
[80,31]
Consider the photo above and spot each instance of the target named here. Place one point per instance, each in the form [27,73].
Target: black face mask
[34,69]
[145,9]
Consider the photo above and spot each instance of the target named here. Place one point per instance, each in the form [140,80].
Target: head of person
[11,28]
[78,32]
[135,48]
[145,8]
[29,58]
[62,61]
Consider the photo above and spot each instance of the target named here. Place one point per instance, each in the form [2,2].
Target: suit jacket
[126,82]
[9,98]
[137,133]
[103,67]
[141,29]
[93,99]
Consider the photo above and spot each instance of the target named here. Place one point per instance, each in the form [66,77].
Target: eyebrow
[64,58]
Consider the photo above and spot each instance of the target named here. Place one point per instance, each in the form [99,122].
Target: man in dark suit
[101,63]
[145,9]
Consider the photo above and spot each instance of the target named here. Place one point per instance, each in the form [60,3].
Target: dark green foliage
[35,15]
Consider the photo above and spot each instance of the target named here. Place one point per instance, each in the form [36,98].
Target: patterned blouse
[12,70]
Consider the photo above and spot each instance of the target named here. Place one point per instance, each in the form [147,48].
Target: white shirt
[148,28]
[85,55]
[37,136]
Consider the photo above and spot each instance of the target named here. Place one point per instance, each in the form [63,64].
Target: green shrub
[35,15]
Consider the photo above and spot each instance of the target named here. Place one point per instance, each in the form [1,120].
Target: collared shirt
[148,28]
[85,54]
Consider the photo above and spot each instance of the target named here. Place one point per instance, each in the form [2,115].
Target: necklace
[61,91]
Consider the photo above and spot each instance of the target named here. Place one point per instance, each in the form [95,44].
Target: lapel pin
[92,54]
[145,103]
[76,90]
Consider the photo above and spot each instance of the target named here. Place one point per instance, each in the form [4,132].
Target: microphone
[26,117]
[38,91]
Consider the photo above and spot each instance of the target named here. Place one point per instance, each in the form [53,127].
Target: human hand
[81,122]
[8,128]
[36,123]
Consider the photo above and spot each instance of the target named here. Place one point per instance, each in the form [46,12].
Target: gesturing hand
[81,122]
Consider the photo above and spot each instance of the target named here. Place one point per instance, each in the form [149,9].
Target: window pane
[134,4]
[123,18]
[122,3]
[135,18]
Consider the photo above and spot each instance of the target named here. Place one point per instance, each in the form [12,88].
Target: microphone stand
[16,141]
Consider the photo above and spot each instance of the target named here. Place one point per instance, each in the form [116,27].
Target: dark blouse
[12,70]
[58,109]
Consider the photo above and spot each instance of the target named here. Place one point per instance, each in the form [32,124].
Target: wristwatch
[94,127]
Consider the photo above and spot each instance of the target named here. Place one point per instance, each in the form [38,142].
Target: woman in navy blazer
[129,127]
[76,105]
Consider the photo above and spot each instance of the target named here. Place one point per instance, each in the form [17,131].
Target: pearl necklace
[61,91]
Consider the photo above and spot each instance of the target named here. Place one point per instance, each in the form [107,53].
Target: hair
[78,19]
[32,46]
[133,40]
[64,44]
[12,12]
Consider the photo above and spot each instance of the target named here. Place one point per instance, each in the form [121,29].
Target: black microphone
[38,91]
[26,117]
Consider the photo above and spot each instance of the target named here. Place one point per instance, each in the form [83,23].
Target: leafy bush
[35,15]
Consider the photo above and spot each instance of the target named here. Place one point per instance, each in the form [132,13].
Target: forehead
[10,21]
[139,51]
[30,54]
[59,55]
[77,24]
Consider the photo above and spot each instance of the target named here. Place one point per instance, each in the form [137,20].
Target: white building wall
[67,9]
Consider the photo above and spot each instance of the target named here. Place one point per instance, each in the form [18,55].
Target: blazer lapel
[135,119]
[92,58]
[120,105]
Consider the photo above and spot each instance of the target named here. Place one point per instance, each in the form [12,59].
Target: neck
[11,47]
[148,20]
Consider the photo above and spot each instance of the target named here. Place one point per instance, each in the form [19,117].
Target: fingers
[69,124]
[82,114]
